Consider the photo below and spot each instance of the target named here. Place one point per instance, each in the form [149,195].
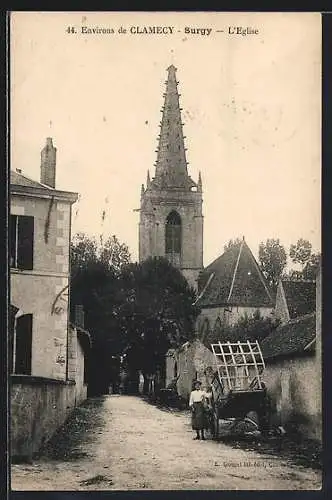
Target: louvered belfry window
[173,233]
[21,232]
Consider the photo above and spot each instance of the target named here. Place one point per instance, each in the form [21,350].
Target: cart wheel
[215,426]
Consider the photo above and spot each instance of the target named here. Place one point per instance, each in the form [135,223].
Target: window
[173,233]
[22,348]
[21,228]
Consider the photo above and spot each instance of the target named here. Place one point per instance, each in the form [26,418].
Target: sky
[251,108]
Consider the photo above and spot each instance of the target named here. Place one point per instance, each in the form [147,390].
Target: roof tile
[291,338]
[236,280]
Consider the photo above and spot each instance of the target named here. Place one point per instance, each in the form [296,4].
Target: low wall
[39,406]
[294,388]
[81,393]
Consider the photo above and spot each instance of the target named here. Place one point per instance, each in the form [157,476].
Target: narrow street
[133,445]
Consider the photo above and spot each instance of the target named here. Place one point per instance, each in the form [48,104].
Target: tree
[83,251]
[114,253]
[155,313]
[232,243]
[94,284]
[273,260]
[311,267]
[300,253]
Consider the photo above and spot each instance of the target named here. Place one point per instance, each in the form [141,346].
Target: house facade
[42,386]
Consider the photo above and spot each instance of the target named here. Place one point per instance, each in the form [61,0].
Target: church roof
[171,165]
[300,297]
[234,278]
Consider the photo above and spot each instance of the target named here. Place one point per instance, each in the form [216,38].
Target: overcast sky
[251,108]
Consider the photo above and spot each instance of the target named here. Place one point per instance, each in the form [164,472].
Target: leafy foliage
[94,282]
[133,310]
[155,311]
[301,253]
[273,260]
[249,328]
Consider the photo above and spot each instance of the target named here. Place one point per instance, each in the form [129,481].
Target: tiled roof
[300,297]
[234,278]
[291,338]
[21,180]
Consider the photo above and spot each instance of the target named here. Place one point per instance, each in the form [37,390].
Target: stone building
[230,287]
[293,373]
[43,381]
[171,220]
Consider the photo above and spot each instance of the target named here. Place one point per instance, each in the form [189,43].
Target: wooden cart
[237,386]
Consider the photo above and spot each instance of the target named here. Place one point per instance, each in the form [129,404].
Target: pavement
[129,444]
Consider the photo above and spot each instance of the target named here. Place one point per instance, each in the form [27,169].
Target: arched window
[173,233]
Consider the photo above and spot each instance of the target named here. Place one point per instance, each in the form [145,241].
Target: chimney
[79,316]
[47,167]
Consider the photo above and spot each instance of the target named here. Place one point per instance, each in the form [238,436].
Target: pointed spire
[199,184]
[171,167]
[148,181]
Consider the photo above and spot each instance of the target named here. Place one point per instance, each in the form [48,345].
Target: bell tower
[171,220]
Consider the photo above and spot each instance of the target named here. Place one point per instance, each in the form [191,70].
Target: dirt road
[138,446]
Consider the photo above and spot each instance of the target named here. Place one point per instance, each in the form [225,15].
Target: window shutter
[12,312]
[12,240]
[23,345]
[25,242]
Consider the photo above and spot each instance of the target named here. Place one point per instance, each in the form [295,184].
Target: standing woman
[196,404]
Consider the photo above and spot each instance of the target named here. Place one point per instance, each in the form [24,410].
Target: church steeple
[171,165]
[171,218]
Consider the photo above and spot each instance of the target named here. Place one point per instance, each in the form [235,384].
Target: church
[171,219]
[171,226]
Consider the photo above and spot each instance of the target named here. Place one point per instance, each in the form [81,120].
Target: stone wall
[294,386]
[39,406]
[81,387]
[229,315]
[194,361]
[155,208]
